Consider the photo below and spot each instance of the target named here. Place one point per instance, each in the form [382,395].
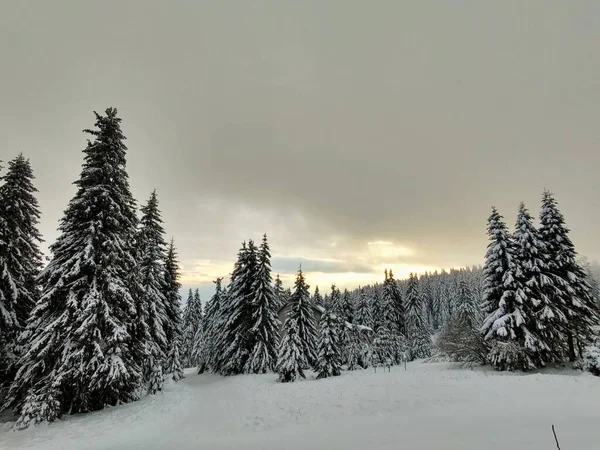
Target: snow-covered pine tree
[20,260]
[205,347]
[393,308]
[193,325]
[265,324]
[335,301]
[384,347]
[328,363]
[531,260]
[573,295]
[291,359]
[153,315]
[317,298]
[417,333]
[172,325]
[78,348]
[188,341]
[301,313]
[364,313]
[512,336]
[235,321]
[377,309]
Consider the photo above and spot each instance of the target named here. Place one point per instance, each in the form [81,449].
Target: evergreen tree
[317,298]
[78,347]
[188,341]
[335,303]
[172,325]
[363,315]
[265,324]
[417,333]
[392,305]
[328,362]
[531,261]
[497,260]
[508,328]
[384,346]
[206,345]
[20,259]
[347,308]
[291,358]
[572,295]
[151,254]
[301,313]
[193,324]
[235,340]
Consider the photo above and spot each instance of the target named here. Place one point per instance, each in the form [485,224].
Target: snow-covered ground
[428,406]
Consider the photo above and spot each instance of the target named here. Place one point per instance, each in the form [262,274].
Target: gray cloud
[316,121]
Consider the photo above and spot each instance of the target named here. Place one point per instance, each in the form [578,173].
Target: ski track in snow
[427,406]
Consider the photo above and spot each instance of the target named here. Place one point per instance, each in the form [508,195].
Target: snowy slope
[427,406]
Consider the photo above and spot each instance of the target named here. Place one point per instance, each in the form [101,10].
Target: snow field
[427,406]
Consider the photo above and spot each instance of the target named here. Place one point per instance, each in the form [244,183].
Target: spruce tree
[265,324]
[384,346]
[235,340]
[291,359]
[508,328]
[193,324]
[531,259]
[364,313]
[206,345]
[188,342]
[151,254]
[317,298]
[572,295]
[417,333]
[328,363]
[301,313]
[172,326]
[78,347]
[20,260]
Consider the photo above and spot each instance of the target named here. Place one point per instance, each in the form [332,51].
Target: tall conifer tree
[78,347]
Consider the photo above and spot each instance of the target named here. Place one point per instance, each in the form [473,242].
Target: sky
[359,135]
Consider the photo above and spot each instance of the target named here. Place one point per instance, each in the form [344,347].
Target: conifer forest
[101,321]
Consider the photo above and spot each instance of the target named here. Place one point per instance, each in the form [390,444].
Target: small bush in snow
[591,359]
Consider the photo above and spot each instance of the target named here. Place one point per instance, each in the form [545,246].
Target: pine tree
[234,343]
[531,261]
[392,305]
[206,345]
[384,346]
[78,347]
[335,303]
[301,313]
[508,327]
[265,324]
[417,333]
[364,314]
[291,359]
[497,260]
[572,295]
[193,324]
[20,259]
[172,326]
[328,362]
[153,315]
[188,337]
[317,298]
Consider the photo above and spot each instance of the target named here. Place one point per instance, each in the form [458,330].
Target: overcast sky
[358,134]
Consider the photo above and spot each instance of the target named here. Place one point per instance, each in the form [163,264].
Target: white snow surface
[428,406]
